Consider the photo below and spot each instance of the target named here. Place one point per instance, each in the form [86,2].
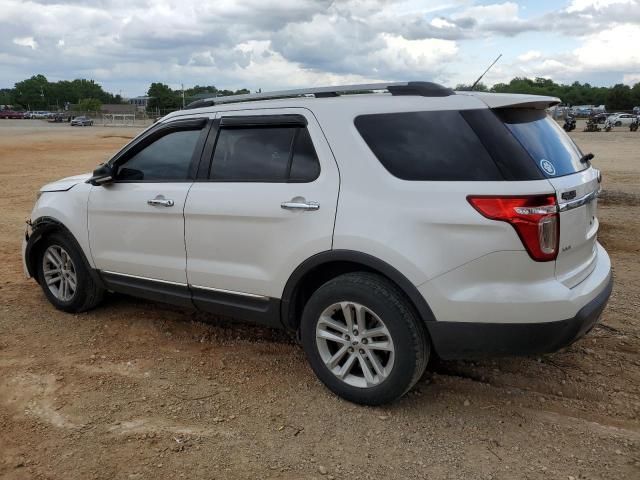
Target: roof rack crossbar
[424,89]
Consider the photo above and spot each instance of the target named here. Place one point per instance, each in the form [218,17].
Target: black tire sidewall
[82,273]
[395,319]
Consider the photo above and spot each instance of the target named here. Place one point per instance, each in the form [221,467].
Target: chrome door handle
[160,201]
[300,205]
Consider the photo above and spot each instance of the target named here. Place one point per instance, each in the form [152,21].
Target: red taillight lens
[534,217]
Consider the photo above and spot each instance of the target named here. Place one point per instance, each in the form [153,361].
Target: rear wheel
[618,124]
[363,340]
[64,276]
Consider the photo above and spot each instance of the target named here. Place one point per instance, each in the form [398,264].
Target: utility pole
[182,84]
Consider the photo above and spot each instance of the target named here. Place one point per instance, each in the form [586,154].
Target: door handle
[160,201]
[297,204]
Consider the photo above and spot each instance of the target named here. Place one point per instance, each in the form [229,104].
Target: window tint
[264,154]
[304,165]
[436,145]
[168,158]
[550,147]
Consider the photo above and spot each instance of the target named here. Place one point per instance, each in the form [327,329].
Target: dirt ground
[137,390]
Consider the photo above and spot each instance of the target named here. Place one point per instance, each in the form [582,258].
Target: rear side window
[264,154]
[435,145]
[549,146]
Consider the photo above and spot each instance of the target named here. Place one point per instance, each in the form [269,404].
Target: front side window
[167,158]
[264,154]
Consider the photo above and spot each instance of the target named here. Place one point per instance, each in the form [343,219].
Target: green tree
[89,105]
[620,98]
[32,92]
[162,97]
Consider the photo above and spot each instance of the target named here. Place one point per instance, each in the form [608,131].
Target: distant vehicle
[619,119]
[600,117]
[39,114]
[569,124]
[11,114]
[27,115]
[56,118]
[636,110]
[81,121]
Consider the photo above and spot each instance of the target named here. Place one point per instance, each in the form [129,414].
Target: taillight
[534,217]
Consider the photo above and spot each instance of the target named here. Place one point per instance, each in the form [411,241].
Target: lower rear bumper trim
[458,340]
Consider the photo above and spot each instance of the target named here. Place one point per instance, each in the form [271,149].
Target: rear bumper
[456,340]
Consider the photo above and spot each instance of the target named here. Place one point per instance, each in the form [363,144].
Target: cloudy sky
[274,44]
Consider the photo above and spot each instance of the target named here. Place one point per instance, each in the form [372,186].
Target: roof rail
[423,89]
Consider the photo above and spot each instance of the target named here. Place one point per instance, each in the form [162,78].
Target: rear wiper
[587,157]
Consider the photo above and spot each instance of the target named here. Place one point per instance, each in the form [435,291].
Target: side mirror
[105,173]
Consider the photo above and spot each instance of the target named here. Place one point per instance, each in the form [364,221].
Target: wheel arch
[41,228]
[324,266]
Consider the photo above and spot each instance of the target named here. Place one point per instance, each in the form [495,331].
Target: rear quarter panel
[422,228]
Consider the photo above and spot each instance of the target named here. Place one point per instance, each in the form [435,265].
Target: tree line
[38,93]
[618,97]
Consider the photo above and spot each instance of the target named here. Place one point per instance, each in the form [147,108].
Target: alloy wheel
[59,273]
[355,344]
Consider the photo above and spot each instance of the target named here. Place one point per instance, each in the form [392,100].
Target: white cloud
[284,43]
[442,23]
[26,42]
[614,49]
[631,78]
[581,5]
[530,55]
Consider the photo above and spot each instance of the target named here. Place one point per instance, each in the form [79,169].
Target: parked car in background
[81,121]
[636,110]
[27,115]
[379,228]
[56,118]
[619,119]
[600,117]
[11,114]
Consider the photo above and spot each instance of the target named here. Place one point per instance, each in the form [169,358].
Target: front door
[136,223]
[268,204]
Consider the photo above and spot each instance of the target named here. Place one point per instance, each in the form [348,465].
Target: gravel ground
[137,390]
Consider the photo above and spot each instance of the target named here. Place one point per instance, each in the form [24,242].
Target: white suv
[382,223]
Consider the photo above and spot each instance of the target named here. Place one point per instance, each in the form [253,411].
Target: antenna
[485,72]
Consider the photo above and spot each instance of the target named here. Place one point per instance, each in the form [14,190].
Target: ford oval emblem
[547,166]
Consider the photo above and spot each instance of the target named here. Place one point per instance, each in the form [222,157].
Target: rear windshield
[548,145]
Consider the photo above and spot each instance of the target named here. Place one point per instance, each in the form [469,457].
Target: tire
[399,332]
[618,124]
[60,248]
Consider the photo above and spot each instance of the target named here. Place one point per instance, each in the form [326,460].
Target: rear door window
[435,145]
[264,154]
[549,146]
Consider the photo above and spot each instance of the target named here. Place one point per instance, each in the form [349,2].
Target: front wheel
[64,276]
[363,339]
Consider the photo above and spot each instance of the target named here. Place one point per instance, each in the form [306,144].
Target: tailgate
[577,201]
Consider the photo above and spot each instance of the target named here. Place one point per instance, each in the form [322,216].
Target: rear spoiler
[513,100]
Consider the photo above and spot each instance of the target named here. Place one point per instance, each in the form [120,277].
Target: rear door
[266,204]
[576,185]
